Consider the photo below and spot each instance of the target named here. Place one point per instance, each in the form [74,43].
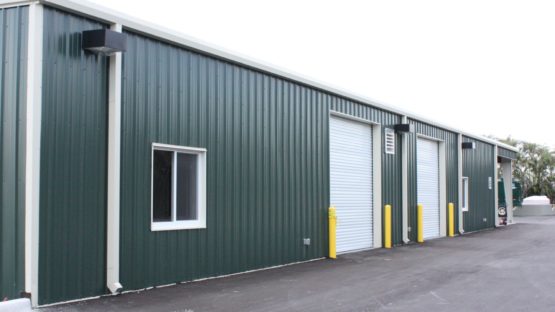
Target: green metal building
[168,160]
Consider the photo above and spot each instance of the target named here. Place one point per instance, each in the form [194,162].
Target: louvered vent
[389,141]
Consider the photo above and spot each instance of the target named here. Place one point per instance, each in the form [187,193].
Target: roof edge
[108,15]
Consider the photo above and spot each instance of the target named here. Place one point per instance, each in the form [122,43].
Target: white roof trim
[114,17]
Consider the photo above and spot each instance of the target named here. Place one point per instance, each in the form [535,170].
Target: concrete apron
[22,305]
[535,210]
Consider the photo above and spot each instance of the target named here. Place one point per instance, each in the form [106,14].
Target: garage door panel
[428,185]
[351,183]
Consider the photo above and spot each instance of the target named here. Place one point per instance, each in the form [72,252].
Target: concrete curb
[17,305]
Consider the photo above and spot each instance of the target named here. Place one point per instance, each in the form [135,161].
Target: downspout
[114,156]
[32,149]
[405,182]
[459,182]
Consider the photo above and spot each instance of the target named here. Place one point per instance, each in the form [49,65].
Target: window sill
[177,225]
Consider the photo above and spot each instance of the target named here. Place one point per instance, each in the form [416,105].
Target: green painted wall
[73,163]
[478,165]
[451,149]
[267,165]
[13,69]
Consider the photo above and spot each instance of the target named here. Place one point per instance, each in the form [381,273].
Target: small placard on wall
[490,183]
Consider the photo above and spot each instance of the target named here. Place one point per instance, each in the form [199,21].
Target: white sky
[484,66]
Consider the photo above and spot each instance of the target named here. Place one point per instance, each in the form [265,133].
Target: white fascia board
[110,16]
[11,4]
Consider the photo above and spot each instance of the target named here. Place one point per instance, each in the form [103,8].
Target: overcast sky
[484,66]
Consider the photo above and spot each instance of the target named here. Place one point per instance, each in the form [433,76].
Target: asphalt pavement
[506,269]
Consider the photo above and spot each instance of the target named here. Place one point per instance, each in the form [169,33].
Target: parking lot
[507,269]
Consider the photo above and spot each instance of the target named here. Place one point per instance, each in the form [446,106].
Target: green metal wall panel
[503,152]
[73,163]
[479,165]
[13,69]
[450,140]
[391,164]
[267,165]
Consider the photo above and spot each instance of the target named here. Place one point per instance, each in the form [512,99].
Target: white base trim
[180,283]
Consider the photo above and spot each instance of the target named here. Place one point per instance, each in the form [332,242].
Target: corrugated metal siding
[391,164]
[13,69]
[73,163]
[502,152]
[478,166]
[450,139]
[267,165]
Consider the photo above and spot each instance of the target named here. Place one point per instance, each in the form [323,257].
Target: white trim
[114,171]
[405,182]
[442,190]
[14,4]
[377,182]
[135,291]
[423,136]
[178,148]
[200,222]
[32,147]
[507,167]
[465,197]
[354,118]
[495,188]
[104,14]
[459,182]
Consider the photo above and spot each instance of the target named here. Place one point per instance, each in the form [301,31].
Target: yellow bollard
[387,226]
[420,225]
[451,220]
[332,227]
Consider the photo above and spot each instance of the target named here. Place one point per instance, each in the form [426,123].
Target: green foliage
[534,168]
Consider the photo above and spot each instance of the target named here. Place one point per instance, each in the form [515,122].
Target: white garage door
[351,183]
[428,184]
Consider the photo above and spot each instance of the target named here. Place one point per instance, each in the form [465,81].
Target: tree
[534,168]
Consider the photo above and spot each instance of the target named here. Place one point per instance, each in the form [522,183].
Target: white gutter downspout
[459,182]
[114,153]
[405,183]
[495,188]
[32,150]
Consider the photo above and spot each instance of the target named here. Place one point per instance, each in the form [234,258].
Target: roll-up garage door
[428,184]
[351,183]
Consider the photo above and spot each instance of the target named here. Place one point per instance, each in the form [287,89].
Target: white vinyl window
[465,194]
[178,197]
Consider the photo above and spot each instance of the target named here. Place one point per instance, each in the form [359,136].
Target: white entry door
[427,155]
[351,183]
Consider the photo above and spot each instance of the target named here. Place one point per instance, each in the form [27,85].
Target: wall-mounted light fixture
[104,41]
[404,128]
[468,145]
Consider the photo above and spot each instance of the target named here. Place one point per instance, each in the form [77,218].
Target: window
[178,187]
[464,194]
[389,141]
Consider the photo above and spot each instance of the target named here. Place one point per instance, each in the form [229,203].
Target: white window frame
[200,222]
[465,197]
